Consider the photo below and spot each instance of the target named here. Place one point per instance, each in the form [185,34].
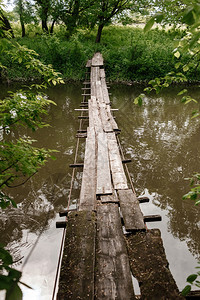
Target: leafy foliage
[192,280]
[194,193]
[19,159]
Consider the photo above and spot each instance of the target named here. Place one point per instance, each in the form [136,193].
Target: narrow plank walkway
[100,255]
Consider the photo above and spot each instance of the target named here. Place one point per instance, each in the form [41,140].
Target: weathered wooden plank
[93,89]
[117,170]
[105,91]
[111,118]
[89,63]
[95,74]
[131,212]
[88,187]
[113,277]
[102,108]
[77,270]
[95,115]
[150,266]
[107,127]
[97,59]
[102,73]
[109,198]
[104,185]
[193,295]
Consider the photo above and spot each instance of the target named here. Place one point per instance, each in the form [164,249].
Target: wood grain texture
[113,277]
[97,59]
[109,198]
[77,270]
[117,170]
[104,185]
[131,212]
[88,187]
[150,266]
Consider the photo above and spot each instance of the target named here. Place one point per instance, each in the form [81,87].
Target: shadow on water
[164,146]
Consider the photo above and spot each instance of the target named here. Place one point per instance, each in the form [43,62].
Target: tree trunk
[72,20]
[5,26]
[52,26]
[98,37]
[44,25]
[22,26]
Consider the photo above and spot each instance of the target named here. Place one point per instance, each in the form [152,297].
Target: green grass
[129,54]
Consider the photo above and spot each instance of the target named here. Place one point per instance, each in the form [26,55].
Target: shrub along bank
[129,53]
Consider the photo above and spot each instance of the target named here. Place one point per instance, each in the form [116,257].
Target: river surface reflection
[164,146]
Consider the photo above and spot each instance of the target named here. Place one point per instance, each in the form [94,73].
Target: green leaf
[182,92]
[189,16]
[185,68]
[149,24]
[159,17]
[197,202]
[177,54]
[192,278]
[20,60]
[14,293]
[5,256]
[4,282]
[186,290]
[177,65]
[54,82]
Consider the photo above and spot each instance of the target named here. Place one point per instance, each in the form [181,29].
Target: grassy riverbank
[129,53]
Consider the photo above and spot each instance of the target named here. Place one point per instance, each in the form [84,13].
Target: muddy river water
[164,145]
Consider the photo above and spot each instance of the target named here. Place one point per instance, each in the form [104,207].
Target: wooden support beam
[77,270]
[113,276]
[143,199]
[83,117]
[65,213]
[84,105]
[81,131]
[126,161]
[81,135]
[131,212]
[152,218]
[81,109]
[150,266]
[61,224]
[77,165]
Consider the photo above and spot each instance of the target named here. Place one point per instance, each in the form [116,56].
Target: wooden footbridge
[107,242]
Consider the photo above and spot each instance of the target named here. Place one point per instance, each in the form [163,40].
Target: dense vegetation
[129,53]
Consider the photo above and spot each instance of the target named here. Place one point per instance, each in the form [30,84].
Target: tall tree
[44,11]
[72,12]
[26,13]
[104,11]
